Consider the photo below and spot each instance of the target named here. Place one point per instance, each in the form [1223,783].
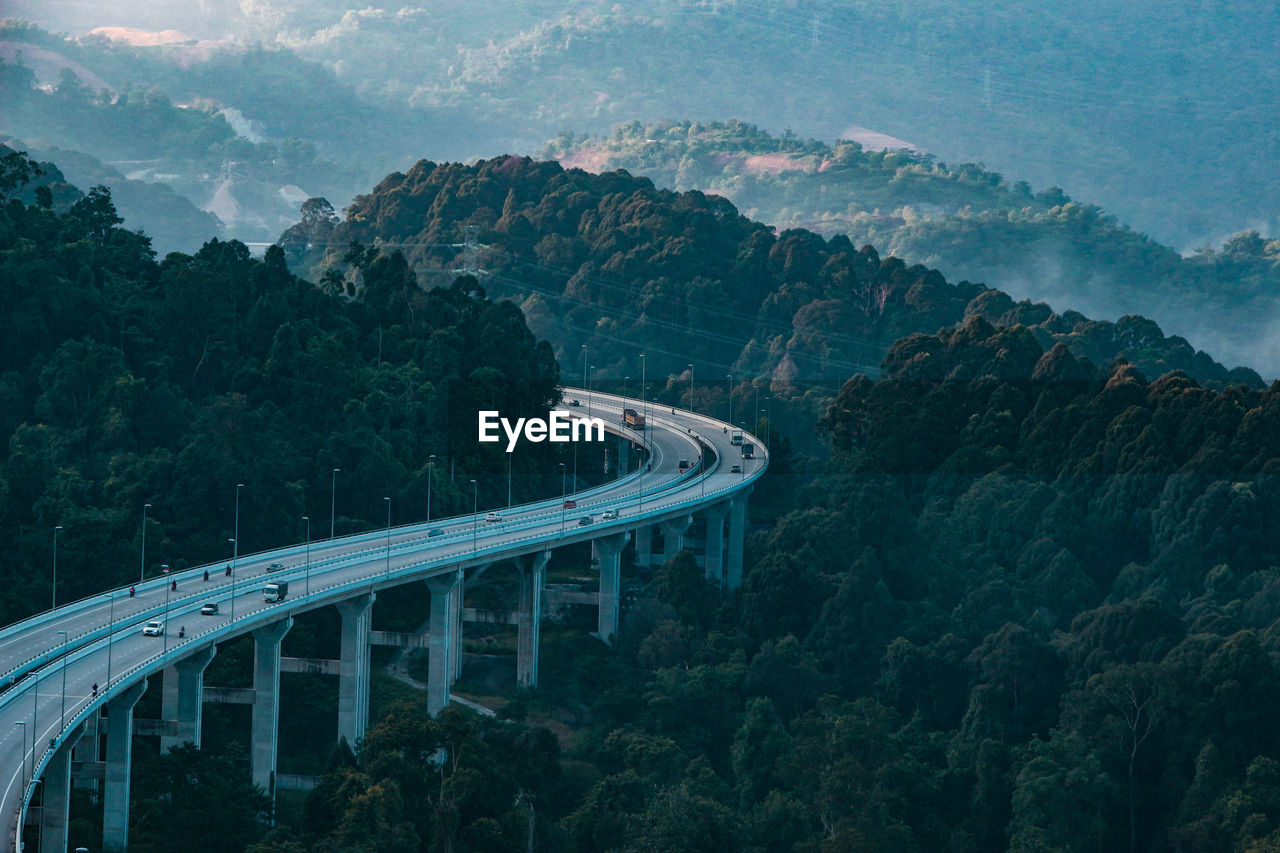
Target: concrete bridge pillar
[459,597]
[644,545]
[444,623]
[737,536]
[266,703]
[183,697]
[87,751]
[119,761]
[533,576]
[673,531]
[57,793]
[353,667]
[606,552]
[714,517]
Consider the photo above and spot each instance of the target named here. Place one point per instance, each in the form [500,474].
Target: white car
[493,516]
[609,515]
[209,609]
[154,628]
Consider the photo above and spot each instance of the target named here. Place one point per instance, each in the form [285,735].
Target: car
[609,515]
[574,403]
[435,531]
[736,469]
[154,628]
[209,609]
[275,567]
[493,516]
[570,504]
[684,464]
[585,520]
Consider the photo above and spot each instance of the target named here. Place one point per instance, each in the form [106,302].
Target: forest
[966,220]
[1022,599]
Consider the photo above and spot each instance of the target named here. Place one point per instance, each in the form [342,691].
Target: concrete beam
[119,764]
[737,538]
[644,545]
[57,793]
[606,552]
[230,695]
[311,666]
[533,576]
[443,624]
[714,563]
[296,782]
[183,700]
[354,668]
[673,531]
[459,595]
[400,639]
[266,706]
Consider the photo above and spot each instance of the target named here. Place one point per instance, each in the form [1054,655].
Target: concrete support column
[459,596]
[119,760]
[444,622]
[737,536]
[606,552]
[353,667]
[673,531]
[533,575]
[57,793]
[266,702]
[644,545]
[714,516]
[88,750]
[183,697]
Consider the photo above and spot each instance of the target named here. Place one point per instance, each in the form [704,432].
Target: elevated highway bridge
[49,662]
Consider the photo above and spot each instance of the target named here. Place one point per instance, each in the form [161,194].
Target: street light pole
[508,481]
[23,723]
[691,386]
[167,587]
[111,638]
[475,513]
[333,500]
[388,500]
[563,490]
[729,386]
[62,724]
[54,605]
[307,519]
[142,572]
[431,475]
[235,550]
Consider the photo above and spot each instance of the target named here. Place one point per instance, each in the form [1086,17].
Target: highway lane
[338,569]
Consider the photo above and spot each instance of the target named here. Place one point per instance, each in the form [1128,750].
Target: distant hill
[611,263]
[966,221]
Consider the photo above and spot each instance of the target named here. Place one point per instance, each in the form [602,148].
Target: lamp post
[388,500]
[584,376]
[431,475]
[644,403]
[167,587]
[54,605]
[142,572]
[111,638]
[590,370]
[691,386]
[508,481]
[235,550]
[755,425]
[475,513]
[23,723]
[62,723]
[728,384]
[307,519]
[562,494]
[333,500]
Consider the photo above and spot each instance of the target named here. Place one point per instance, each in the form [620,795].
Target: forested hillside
[966,221]
[610,262]
[126,381]
[1030,605]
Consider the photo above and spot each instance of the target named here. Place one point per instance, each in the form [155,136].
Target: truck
[633,419]
[748,450]
[735,437]
[275,591]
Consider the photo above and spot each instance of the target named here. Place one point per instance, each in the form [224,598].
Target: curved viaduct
[49,662]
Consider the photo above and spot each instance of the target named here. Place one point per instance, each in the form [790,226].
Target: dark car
[275,567]
[435,531]
[585,520]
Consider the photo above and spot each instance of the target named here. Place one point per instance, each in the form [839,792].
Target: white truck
[275,591]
